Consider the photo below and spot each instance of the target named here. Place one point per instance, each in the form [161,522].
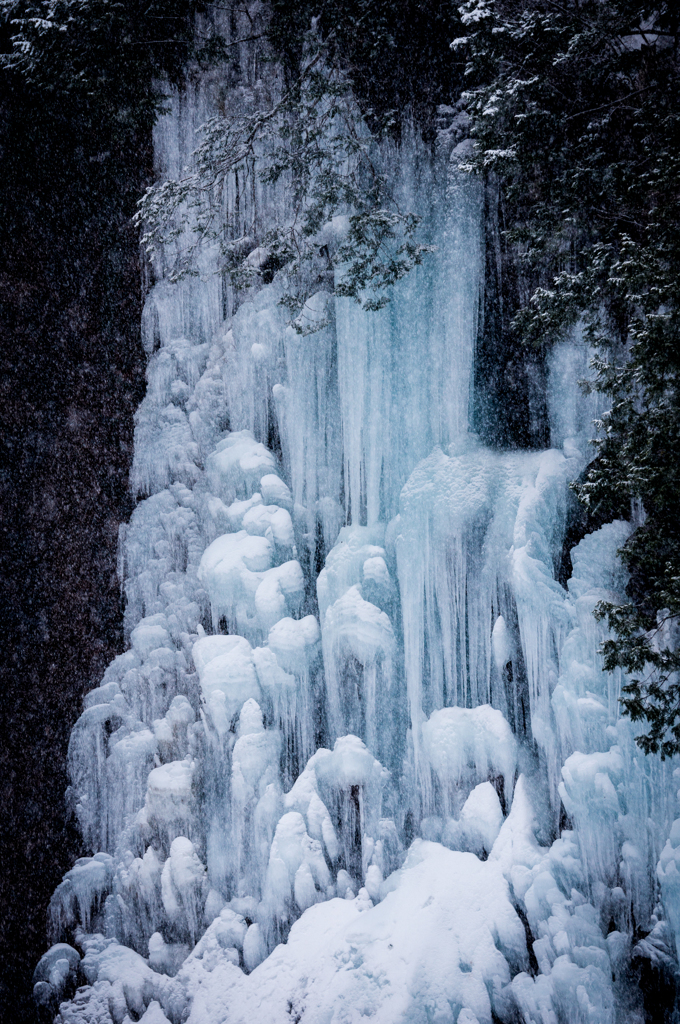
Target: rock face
[71,372]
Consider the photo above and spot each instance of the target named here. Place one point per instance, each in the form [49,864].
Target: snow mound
[444,940]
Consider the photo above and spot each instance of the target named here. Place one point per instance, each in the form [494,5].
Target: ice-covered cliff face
[360,759]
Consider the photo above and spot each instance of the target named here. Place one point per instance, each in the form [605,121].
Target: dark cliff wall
[71,375]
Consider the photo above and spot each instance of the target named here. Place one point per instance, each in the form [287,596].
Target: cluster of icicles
[360,756]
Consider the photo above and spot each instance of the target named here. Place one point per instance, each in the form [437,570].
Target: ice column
[404,373]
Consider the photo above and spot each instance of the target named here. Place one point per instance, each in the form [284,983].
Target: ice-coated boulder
[226,663]
[245,588]
[168,808]
[184,888]
[464,746]
[237,465]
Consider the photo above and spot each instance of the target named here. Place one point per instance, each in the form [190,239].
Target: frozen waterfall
[360,758]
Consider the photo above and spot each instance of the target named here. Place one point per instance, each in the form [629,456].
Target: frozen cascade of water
[360,757]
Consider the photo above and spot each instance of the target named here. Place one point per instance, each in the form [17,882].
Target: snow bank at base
[441,942]
[441,939]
